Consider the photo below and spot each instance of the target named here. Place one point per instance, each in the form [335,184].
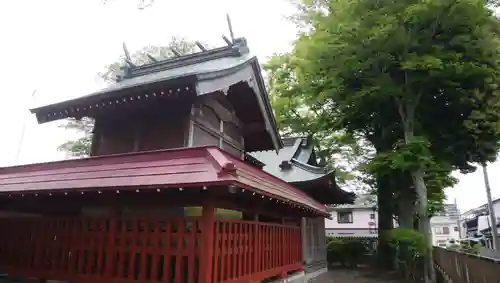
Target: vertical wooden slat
[64,246]
[133,248]
[179,239]
[144,237]
[256,245]
[245,252]
[90,245]
[191,252]
[36,245]
[122,248]
[72,234]
[110,249]
[103,232]
[167,250]
[298,241]
[289,252]
[81,245]
[273,246]
[224,251]
[155,250]
[278,246]
[217,251]
[235,249]
[262,247]
[267,246]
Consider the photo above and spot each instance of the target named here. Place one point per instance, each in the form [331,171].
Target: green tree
[297,116]
[424,69]
[81,146]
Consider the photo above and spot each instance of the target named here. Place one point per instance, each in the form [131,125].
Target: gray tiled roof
[292,152]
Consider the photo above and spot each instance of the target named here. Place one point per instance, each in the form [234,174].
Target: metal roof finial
[128,59]
[228,42]
[175,52]
[202,48]
[230,26]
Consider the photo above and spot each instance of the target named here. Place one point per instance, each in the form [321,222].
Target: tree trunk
[385,253]
[406,209]
[408,120]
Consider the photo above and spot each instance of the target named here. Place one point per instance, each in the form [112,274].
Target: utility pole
[458,220]
[493,220]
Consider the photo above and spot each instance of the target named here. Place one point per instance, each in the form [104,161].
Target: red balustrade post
[207,242]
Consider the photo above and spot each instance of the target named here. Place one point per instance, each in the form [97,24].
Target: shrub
[464,248]
[354,251]
[334,251]
[346,251]
[411,250]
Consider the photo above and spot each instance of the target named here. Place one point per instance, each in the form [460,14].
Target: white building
[353,220]
[443,230]
[476,222]
[445,225]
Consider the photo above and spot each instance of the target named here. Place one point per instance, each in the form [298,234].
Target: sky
[57,47]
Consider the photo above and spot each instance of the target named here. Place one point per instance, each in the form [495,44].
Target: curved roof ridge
[310,168]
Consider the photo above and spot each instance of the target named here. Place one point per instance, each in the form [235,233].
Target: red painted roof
[180,167]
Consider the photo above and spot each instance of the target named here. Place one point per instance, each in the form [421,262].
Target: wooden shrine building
[167,194]
[296,163]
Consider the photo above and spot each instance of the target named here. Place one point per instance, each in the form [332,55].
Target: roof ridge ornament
[236,48]
[230,27]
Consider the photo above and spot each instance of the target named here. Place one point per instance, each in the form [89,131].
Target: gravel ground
[361,275]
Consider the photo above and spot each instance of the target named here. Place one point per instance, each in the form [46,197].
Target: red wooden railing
[145,250]
[92,250]
[247,251]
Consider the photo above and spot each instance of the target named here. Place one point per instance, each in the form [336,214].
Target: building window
[442,230]
[372,215]
[344,217]
[455,228]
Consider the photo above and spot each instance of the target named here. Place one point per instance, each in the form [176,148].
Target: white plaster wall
[360,220]
[444,221]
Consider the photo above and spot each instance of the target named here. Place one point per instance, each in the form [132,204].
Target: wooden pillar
[322,232]
[207,242]
[303,230]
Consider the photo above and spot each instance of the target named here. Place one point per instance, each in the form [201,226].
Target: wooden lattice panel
[102,250]
[93,250]
[246,250]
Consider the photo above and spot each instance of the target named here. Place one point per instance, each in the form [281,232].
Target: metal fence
[466,268]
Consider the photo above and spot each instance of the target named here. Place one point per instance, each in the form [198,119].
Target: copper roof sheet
[180,167]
